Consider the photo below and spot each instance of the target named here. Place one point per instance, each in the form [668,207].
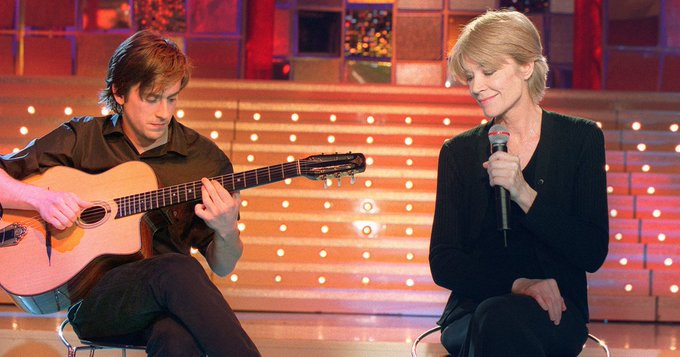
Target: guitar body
[48,269]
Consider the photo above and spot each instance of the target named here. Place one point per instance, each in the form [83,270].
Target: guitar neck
[191,191]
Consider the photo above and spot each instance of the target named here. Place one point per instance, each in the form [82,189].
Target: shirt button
[540,181]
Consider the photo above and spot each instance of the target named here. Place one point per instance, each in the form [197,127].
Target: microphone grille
[498,134]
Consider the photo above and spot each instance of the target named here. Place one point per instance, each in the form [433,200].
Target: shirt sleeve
[53,149]
[452,263]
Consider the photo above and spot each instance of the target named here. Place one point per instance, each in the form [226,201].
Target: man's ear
[120,99]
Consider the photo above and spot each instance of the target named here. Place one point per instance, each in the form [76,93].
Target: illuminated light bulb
[618,236]
[636,126]
[333,118]
[628,287]
[599,124]
[257,116]
[366,255]
[250,158]
[15,150]
[193,250]
[408,141]
[294,117]
[606,167]
[331,139]
[23,130]
[409,162]
[329,182]
[292,138]
[367,206]
[623,261]
[323,253]
[366,230]
[410,282]
[369,161]
[674,127]
[408,120]
[218,114]
[656,213]
[610,189]
[31,109]
[322,280]
[288,181]
[447,121]
[668,262]
[324,229]
[674,289]
[290,158]
[677,148]
[409,256]
[278,278]
[409,207]
[613,213]
[285,204]
[408,185]
[180,113]
[646,168]
[280,252]
[253,137]
[641,147]
[368,183]
[661,237]
[651,190]
[327,205]
[68,110]
[244,203]
[283,228]
[369,140]
[370,119]
[233,278]
[484,121]
[365,280]
[105,111]
[409,231]
[241,227]
[214,135]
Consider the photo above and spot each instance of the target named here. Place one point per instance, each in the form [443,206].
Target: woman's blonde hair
[496,35]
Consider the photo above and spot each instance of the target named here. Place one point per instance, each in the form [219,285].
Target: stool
[414,347]
[92,345]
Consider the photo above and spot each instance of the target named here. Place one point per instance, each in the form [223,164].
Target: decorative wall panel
[422,74]
[215,16]
[48,56]
[214,59]
[419,37]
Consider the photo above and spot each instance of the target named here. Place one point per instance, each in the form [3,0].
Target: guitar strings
[300,166]
[133,203]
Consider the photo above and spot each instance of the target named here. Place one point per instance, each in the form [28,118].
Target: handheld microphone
[498,138]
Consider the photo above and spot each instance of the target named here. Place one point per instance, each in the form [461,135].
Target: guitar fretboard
[191,191]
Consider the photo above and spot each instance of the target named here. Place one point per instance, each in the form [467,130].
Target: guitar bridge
[12,234]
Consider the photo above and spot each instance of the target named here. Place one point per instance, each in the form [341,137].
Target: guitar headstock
[323,167]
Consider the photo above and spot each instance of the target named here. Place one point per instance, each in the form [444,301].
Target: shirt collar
[177,140]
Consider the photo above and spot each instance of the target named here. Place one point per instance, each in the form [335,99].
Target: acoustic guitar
[44,270]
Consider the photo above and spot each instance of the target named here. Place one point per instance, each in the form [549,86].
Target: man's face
[146,116]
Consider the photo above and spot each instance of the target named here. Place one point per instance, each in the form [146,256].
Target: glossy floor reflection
[302,335]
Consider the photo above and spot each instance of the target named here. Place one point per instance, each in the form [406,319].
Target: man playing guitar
[166,302]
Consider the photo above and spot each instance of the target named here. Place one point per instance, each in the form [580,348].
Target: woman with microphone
[519,222]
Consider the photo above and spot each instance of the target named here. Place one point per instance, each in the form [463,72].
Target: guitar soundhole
[95,215]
